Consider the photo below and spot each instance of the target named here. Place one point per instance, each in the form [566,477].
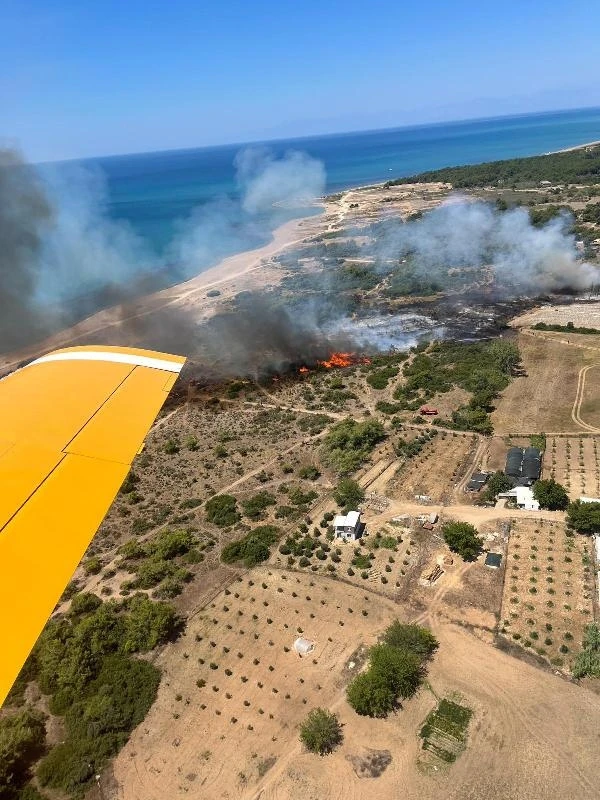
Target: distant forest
[577,166]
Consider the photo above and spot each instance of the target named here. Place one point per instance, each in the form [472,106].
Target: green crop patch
[444,732]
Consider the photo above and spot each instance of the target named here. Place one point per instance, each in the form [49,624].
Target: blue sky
[92,78]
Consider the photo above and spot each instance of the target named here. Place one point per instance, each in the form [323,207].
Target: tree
[21,738]
[399,667]
[348,494]
[417,640]
[222,510]
[462,538]
[321,731]
[371,695]
[498,483]
[550,495]
[584,517]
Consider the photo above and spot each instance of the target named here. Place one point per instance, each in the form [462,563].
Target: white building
[524,498]
[348,527]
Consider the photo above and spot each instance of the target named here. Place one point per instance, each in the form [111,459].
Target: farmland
[548,590]
[574,461]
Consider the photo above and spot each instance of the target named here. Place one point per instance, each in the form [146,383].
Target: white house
[348,527]
[524,498]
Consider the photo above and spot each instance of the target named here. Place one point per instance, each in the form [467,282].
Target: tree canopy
[584,517]
[349,443]
[348,493]
[462,538]
[21,738]
[587,663]
[551,495]
[396,669]
[321,731]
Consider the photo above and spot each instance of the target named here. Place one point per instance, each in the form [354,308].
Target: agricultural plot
[444,733]
[543,400]
[436,469]
[382,560]
[574,461]
[548,590]
[235,690]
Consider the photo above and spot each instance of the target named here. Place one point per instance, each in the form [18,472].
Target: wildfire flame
[344,360]
[303,370]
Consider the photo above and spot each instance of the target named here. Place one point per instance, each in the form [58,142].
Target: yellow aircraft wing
[70,425]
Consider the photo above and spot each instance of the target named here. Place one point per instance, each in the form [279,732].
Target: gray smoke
[62,257]
[461,233]
[25,216]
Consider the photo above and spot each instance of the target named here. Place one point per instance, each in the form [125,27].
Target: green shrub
[321,731]
[222,510]
[253,548]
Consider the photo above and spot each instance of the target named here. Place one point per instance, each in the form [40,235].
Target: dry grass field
[543,400]
[589,410]
[548,589]
[574,461]
[437,469]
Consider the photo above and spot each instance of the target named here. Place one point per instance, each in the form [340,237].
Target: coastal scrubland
[169,664]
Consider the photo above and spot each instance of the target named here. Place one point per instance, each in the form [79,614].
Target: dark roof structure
[493,560]
[523,465]
[478,481]
[514,460]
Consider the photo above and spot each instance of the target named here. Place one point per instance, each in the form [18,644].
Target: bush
[253,548]
[462,538]
[222,510]
[310,473]
[256,505]
[321,731]
[587,663]
[21,739]
[349,443]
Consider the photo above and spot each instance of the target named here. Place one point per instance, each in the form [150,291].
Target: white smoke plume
[463,233]
[293,181]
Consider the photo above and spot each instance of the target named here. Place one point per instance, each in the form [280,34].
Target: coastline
[186,295]
[571,149]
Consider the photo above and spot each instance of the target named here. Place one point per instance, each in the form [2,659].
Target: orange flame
[344,360]
[303,370]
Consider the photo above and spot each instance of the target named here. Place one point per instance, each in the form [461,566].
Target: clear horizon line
[414,126]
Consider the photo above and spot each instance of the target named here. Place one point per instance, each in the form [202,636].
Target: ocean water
[155,192]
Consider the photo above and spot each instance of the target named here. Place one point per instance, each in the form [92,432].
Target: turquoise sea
[155,191]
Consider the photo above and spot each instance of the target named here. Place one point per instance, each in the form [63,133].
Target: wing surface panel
[41,547]
[72,422]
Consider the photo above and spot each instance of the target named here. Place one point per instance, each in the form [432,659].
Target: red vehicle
[428,411]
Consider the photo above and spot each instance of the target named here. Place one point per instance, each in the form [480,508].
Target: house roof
[351,520]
